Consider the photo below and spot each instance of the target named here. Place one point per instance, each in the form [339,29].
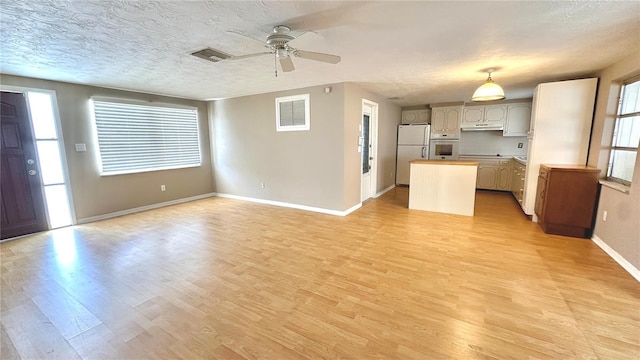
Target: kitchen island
[443,186]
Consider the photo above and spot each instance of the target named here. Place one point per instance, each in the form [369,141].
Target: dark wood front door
[21,197]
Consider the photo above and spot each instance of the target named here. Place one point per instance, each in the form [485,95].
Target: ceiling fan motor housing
[278,39]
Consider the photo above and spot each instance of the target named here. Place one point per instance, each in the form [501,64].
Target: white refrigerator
[413,143]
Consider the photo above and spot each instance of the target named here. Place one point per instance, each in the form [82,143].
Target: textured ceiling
[424,52]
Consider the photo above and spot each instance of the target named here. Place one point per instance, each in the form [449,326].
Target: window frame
[119,101]
[307,119]
[615,133]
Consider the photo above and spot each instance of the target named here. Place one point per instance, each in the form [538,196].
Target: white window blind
[137,138]
[292,113]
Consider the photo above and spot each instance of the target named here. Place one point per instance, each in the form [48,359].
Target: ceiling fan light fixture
[488,91]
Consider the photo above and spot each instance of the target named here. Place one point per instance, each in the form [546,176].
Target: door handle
[32,172]
[424,152]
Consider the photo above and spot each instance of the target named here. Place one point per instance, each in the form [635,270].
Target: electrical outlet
[262,185]
[604,215]
[520,145]
[163,188]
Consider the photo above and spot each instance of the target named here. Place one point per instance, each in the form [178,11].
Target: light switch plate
[81,147]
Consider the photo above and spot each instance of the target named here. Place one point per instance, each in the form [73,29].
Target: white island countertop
[446,186]
[445,162]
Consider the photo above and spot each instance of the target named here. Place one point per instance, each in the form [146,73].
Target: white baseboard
[383,191]
[617,257]
[142,208]
[293,206]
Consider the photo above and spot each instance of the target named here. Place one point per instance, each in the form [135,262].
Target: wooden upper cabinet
[446,120]
[518,120]
[424,116]
[495,113]
[421,116]
[473,115]
[409,117]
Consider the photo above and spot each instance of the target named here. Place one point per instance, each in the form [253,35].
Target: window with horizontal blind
[626,134]
[138,137]
[292,113]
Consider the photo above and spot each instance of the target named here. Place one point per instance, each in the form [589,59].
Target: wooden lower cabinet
[566,199]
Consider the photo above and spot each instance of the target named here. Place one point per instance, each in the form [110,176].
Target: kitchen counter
[522,159]
[443,186]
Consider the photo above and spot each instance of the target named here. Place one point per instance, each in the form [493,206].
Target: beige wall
[318,168]
[621,231]
[95,195]
[298,167]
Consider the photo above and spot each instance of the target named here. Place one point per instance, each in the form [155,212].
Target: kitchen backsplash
[491,143]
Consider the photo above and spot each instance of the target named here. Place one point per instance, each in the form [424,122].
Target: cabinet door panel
[518,118]
[495,113]
[571,198]
[424,116]
[453,120]
[504,178]
[409,117]
[487,177]
[541,198]
[473,115]
[438,120]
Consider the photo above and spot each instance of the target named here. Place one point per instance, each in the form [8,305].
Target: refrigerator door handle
[424,152]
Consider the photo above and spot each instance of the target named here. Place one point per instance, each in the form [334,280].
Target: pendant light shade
[488,91]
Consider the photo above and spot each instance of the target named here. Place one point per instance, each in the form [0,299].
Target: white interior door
[368,160]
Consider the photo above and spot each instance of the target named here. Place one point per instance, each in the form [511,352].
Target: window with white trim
[626,134]
[134,137]
[292,113]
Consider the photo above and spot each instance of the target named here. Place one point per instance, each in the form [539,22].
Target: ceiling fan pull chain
[275,62]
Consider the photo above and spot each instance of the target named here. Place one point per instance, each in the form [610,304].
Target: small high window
[626,135]
[292,113]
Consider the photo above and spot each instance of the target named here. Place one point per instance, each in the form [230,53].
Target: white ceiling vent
[211,54]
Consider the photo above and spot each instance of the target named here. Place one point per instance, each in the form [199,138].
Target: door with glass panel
[366,159]
[22,208]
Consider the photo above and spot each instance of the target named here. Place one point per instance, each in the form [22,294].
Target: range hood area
[482,127]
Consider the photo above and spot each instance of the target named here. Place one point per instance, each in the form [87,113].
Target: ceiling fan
[278,44]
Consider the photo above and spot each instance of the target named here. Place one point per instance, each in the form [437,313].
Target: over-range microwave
[443,149]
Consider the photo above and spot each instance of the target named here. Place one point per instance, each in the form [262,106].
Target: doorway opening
[368,149]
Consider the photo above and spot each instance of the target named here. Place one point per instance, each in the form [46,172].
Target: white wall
[491,143]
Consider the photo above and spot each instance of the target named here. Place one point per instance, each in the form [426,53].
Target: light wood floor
[221,278]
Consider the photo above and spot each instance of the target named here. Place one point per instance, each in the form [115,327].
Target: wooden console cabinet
[566,199]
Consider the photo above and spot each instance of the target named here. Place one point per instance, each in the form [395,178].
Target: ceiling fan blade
[286,64]
[249,55]
[331,59]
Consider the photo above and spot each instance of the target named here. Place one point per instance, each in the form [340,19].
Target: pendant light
[488,91]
